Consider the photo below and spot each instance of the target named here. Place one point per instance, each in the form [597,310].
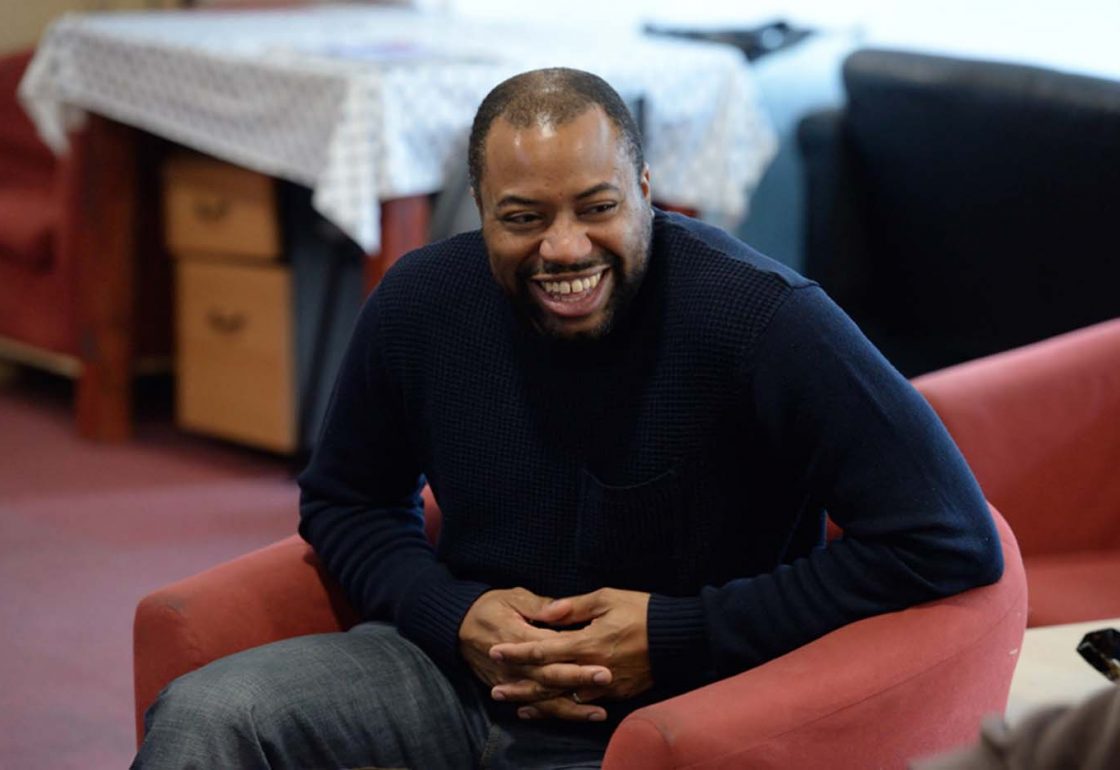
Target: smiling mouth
[572,296]
[572,289]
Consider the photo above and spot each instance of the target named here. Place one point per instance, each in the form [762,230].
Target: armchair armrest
[1038,426]
[875,693]
[274,593]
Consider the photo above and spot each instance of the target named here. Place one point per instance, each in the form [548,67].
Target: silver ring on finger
[575,697]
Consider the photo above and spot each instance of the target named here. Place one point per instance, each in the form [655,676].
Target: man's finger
[527,603]
[530,692]
[549,681]
[571,609]
[563,707]
[562,647]
[570,676]
[554,612]
[524,691]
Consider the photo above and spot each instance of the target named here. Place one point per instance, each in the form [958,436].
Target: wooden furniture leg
[105,247]
[404,227]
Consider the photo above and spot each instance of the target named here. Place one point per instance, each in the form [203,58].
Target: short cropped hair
[553,96]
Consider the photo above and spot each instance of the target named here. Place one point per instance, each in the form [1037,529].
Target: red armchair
[36,253]
[55,285]
[1040,427]
[875,693]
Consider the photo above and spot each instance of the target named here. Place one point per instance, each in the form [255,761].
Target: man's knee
[309,696]
[251,690]
[216,700]
[205,718]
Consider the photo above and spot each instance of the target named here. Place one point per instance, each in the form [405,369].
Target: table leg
[105,254]
[404,227]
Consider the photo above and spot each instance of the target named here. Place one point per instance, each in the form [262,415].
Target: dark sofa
[959,208]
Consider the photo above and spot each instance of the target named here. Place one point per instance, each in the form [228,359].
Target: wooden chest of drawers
[234,328]
[213,208]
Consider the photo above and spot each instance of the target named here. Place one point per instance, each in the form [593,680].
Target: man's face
[567,222]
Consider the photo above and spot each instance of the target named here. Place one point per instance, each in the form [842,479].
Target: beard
[626,284]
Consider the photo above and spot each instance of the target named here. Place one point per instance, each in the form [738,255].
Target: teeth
[572,287]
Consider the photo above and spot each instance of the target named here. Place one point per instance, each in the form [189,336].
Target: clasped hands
[515,641]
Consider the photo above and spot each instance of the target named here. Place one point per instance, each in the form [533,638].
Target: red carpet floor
[85,531]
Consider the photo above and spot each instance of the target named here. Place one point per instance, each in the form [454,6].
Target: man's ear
[643,183]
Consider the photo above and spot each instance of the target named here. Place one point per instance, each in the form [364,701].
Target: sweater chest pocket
[632,534]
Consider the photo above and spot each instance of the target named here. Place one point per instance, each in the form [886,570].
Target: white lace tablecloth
[367,104]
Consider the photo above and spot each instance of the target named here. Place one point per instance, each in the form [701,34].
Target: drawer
[236,367]
[219,209]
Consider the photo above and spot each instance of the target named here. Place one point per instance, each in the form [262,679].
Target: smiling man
[634,425]
[566,216]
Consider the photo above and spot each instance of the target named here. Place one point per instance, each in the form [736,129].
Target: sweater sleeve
[859,442]
[360,504]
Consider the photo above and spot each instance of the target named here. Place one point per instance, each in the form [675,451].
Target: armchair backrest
[22,152]
[1040,428]
[36,296]
[985,195]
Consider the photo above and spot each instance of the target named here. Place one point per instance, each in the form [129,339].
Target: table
[367,106]
[1050,671]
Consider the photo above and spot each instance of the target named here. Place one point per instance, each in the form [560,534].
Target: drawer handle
[225,323]
[212,209]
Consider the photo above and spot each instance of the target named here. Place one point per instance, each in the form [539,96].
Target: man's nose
[566,241]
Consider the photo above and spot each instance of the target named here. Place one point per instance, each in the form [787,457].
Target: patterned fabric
[367,104]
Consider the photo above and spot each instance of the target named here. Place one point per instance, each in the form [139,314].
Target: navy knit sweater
[691,453]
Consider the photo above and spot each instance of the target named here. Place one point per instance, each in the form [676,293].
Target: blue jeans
[366,698]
